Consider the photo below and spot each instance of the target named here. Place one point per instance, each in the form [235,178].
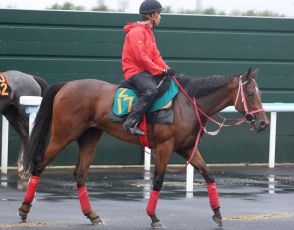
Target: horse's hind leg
[199,164]
[54,147]
[87,144]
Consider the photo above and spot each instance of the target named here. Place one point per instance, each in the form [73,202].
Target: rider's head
[150,10]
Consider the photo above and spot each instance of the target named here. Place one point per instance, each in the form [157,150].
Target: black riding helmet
[150,6]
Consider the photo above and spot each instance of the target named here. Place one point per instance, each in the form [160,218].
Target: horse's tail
[42,83]
[39,137]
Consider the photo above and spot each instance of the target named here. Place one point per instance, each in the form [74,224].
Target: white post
[147,159]
[189,178]
[32,104]
[4,148]
[147,184]
[4,180]
[272,146]
[32,111]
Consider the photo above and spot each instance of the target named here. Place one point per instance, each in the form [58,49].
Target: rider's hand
[170,72]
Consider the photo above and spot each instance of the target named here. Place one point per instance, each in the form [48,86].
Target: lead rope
[199,134]
[203,128]
[239,121]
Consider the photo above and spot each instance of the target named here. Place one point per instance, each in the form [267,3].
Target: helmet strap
[150,17]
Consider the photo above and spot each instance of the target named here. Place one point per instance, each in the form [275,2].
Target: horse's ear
[251,74]
[248,74]
[255,73]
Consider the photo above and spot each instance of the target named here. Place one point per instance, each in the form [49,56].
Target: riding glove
[169,72]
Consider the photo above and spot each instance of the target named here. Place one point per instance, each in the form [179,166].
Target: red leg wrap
[84,200]
[31,190]
[213,195]
[152,203]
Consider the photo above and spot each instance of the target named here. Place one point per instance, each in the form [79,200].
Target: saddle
[160,112]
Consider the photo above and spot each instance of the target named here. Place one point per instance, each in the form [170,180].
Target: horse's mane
[199,87]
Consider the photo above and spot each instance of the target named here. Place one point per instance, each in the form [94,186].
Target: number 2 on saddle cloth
[161,111]
[4,88]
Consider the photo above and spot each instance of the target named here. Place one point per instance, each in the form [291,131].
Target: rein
[249,116]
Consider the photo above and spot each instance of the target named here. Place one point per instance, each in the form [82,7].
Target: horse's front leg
[200,165]
[87,144]
[162,157]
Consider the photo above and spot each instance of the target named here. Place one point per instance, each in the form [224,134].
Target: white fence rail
[273,108]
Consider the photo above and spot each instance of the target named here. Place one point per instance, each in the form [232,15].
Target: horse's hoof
[157,224]
[24,210]
[218,220]
[94,218]
[98,220]
[23,216]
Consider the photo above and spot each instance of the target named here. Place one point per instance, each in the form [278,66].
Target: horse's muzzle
[261,125]
[257,122]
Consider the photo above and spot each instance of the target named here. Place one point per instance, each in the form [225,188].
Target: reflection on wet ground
[135,184]
[251,198]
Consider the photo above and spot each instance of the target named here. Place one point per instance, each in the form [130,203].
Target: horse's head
[248,101]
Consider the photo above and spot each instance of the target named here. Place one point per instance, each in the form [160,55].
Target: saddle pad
[125,98]
[4,89]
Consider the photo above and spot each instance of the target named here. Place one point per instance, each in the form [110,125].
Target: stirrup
[135,130]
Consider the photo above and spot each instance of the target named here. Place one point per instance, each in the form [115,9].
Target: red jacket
[140,52]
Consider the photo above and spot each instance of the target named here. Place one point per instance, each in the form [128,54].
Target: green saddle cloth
[125,98]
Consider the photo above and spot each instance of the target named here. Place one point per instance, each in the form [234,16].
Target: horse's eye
[250,95]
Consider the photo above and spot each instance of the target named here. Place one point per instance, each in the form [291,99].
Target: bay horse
[79,110]
[19,84]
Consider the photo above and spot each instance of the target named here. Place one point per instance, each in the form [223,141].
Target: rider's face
[156,18]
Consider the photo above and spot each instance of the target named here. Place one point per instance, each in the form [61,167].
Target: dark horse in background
[20,84]
[79,111]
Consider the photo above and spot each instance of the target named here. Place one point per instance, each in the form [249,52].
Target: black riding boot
[146,89]
[131,125]
[140,107]
[135,116]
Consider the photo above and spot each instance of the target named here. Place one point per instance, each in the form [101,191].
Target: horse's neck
[218,100]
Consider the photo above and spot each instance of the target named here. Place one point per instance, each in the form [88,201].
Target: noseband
[250,116]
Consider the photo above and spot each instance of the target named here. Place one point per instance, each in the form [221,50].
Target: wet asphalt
[250,198]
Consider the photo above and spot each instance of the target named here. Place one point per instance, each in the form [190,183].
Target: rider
[141,62]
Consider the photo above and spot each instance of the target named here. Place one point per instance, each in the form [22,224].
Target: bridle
[250,116]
